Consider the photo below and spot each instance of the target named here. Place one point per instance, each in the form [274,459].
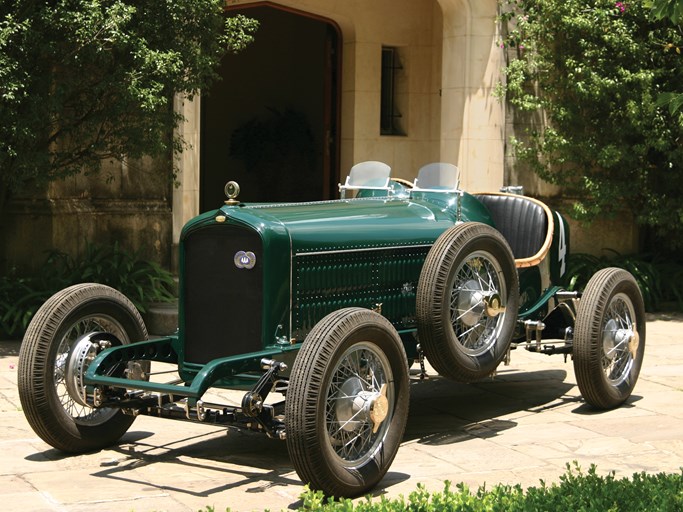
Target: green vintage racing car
[316,312]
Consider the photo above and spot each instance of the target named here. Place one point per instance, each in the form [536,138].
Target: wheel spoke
[356,444]
[466,335]
[617,359]
[356,382]
[476,280]
[463,313]
[84,326]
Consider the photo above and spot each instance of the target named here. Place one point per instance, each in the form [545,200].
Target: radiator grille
[222,304]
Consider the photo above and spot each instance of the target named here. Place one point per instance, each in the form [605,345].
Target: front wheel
[347,402]
[609,338]
[61,341]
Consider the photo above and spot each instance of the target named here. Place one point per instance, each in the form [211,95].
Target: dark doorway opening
[271,123]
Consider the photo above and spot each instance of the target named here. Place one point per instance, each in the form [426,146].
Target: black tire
[53,413]
[467,302]
[609,338]
[345,446]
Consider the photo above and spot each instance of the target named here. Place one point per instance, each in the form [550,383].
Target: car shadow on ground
[441,412]
[444,412]
[252,460]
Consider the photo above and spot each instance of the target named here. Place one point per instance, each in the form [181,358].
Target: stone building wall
[128,203]
[452,64]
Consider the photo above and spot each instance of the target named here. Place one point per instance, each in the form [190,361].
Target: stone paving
[523,426]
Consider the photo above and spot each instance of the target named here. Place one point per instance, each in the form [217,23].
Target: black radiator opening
[222,300]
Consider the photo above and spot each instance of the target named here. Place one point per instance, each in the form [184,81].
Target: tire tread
[33,377]
[433,335]
[307,380]
[587,354]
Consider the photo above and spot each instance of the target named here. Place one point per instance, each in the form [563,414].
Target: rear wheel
[609,338]
[63,338]
[467,301]
[347,402]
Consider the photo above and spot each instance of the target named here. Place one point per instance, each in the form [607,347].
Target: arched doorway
[271,123]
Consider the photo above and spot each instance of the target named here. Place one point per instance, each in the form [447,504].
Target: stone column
[472,119]
[186,190]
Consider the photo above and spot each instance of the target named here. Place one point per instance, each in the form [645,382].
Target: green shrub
[576,491]
[143,282]
[19,300]
[594,83]
[660,281]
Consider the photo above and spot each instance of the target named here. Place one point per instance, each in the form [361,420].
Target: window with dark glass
[390,116]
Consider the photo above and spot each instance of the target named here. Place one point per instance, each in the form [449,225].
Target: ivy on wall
[598,71]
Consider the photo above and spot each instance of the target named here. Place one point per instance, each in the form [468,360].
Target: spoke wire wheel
[347,402]
[609,338]
[467,301]
[65,379]
[357,396]
[618,340]
[54,356]
[475,281]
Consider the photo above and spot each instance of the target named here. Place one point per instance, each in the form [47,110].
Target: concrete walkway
[523,426]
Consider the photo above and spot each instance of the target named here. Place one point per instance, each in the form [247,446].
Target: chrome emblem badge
[245,259]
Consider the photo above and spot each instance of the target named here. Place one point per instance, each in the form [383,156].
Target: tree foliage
[670,9]
[597,69]
[673,11]
[85,80]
